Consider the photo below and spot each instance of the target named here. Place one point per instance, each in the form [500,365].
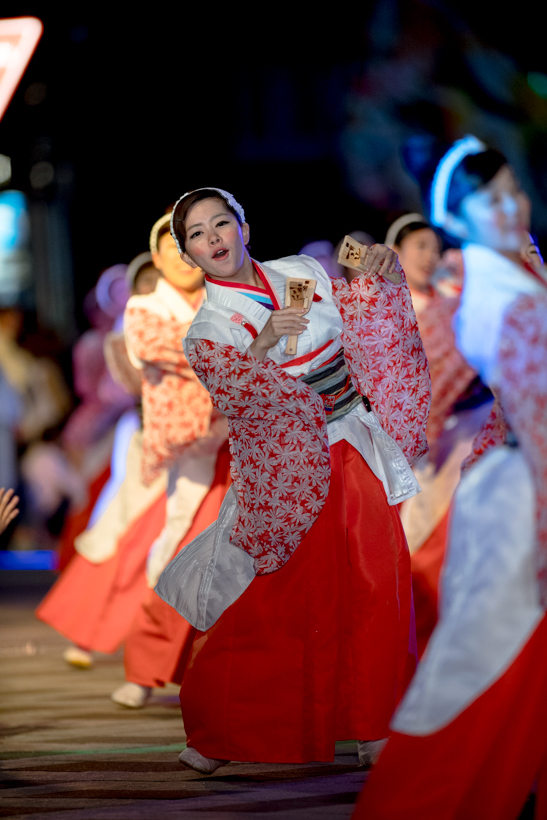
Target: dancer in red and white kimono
[183,434]
[301,589]
[460,404]
[101,593]
[96,598]
[470,737]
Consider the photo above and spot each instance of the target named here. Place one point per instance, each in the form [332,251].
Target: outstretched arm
[384,349]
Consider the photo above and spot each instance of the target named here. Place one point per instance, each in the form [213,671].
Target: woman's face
[176,271]
[146,281]
[498,214]
[419,254]
[214,238]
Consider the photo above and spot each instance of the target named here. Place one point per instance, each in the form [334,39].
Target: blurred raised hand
[8,508]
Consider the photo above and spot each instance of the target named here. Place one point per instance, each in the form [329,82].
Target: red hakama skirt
[94,604]
[317,651]
[481,766]
[159,643]
[426,565]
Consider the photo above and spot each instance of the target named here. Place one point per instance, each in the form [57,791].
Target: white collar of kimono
[179,307]
[491,283]
[231,297]
[166,301]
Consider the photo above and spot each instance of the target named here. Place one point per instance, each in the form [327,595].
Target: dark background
[302,118]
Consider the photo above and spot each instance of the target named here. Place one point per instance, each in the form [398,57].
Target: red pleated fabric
[482,765]
[94,605]
[317,651]
[76,523]
[426,565]
[159,642]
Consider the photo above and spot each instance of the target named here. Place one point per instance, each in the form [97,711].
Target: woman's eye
[223,222]
[196,233]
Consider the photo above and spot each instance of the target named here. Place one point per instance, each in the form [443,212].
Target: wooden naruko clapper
[298,294]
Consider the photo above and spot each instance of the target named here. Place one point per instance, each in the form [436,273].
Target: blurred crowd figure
[56,444]
[35,400]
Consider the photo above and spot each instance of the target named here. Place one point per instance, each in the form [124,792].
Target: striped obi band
[333,383]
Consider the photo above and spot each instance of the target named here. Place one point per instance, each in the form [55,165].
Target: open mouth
[222,253]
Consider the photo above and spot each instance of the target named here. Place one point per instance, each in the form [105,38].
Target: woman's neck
[193,297]
[246,275]
[513,256]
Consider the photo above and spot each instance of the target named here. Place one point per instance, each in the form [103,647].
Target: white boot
[77,657]
[206,765]
[131,695]
[368,751]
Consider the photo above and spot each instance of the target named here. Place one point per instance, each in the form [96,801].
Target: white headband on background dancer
[443,175]
[396,227]
[156,228]
[225,195]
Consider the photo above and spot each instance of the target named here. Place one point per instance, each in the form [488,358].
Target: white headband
[156,227]
[227,197]
[396,227]
[443,175]
[136,265]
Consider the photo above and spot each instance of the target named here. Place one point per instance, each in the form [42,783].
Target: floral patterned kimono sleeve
[176,408]
[450,373]
[279,446]
[386,357]
[523,390]
[492,434]
[157,341]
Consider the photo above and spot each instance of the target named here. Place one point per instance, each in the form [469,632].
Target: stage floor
[67,751]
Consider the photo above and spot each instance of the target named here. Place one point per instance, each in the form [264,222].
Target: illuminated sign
[18,38]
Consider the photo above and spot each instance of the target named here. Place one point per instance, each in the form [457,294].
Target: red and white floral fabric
[523,392]
[279,445]
[385,354]
[176,408]
[450,373]
[279,438]
[492,434]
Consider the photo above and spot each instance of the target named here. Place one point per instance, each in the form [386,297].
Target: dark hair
[184,206]
[406,230]
[474,171]
[422,154]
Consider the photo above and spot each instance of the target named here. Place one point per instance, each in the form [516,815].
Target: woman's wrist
[258,349]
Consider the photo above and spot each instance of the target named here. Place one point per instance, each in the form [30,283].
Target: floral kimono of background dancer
[183,434]
[460,404]
[481,684]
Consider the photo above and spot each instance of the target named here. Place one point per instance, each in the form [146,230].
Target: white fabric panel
[382,454]
[99,542]
[492,283]
[490,601]
[126,426]
[208,575]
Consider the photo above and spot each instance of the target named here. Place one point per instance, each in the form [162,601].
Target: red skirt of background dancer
[482,765]
[76,523]
[157,647]
[317,651]
[94,604]
[426,564]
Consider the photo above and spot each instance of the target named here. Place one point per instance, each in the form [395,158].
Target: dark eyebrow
[191,228]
